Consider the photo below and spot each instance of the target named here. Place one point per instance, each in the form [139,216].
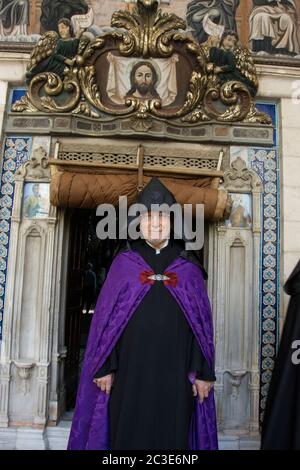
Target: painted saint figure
[273,27]
[240,216]
[143,80]
[207,14]
[55,10]
[148,372]
[14,17]
[32,203]
[36,201]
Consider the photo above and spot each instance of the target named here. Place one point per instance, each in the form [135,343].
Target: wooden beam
[128,168]
[140,164]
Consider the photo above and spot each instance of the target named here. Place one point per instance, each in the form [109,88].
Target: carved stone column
[235,296]
[216,290]
[27,335]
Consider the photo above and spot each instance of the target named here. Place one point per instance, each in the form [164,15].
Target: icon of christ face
[143,79]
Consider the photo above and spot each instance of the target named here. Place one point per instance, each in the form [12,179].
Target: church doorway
[89,260]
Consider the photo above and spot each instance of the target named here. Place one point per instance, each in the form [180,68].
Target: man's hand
[105,383]
[79,32]
[70,62]
[218,69]
[202,389]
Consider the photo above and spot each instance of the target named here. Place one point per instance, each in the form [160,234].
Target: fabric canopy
[84,189]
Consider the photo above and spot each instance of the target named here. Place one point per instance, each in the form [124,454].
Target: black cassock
[151,400]
[281,425]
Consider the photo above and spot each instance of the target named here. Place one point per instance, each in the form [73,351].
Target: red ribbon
[144,277]
[172,281]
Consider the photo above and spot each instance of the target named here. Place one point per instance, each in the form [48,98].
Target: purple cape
[119,298]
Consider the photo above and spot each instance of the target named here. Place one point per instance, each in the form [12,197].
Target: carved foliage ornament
[146,68]
[239,177]
[37,168]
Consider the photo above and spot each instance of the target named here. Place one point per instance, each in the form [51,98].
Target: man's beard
[143,89]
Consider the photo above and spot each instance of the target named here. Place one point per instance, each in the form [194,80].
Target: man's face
[229,43]
[143,79]
[155,226]
[64,31]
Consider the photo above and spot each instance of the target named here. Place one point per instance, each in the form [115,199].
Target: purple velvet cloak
[119,298]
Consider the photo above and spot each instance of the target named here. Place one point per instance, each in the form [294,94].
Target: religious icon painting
[36,201]
[125,80]
[241,212]
[143,79]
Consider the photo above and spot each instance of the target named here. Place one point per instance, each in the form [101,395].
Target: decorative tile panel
[16,152]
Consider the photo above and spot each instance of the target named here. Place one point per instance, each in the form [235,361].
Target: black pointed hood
[155,193]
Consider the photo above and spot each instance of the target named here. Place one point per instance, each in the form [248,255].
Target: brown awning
[86,189]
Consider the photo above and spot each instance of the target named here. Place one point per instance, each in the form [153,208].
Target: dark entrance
[88,262]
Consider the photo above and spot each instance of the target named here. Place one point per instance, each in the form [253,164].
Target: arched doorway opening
[89,259]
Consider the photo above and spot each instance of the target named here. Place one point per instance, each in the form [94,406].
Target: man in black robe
[281,425]
[158,340]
